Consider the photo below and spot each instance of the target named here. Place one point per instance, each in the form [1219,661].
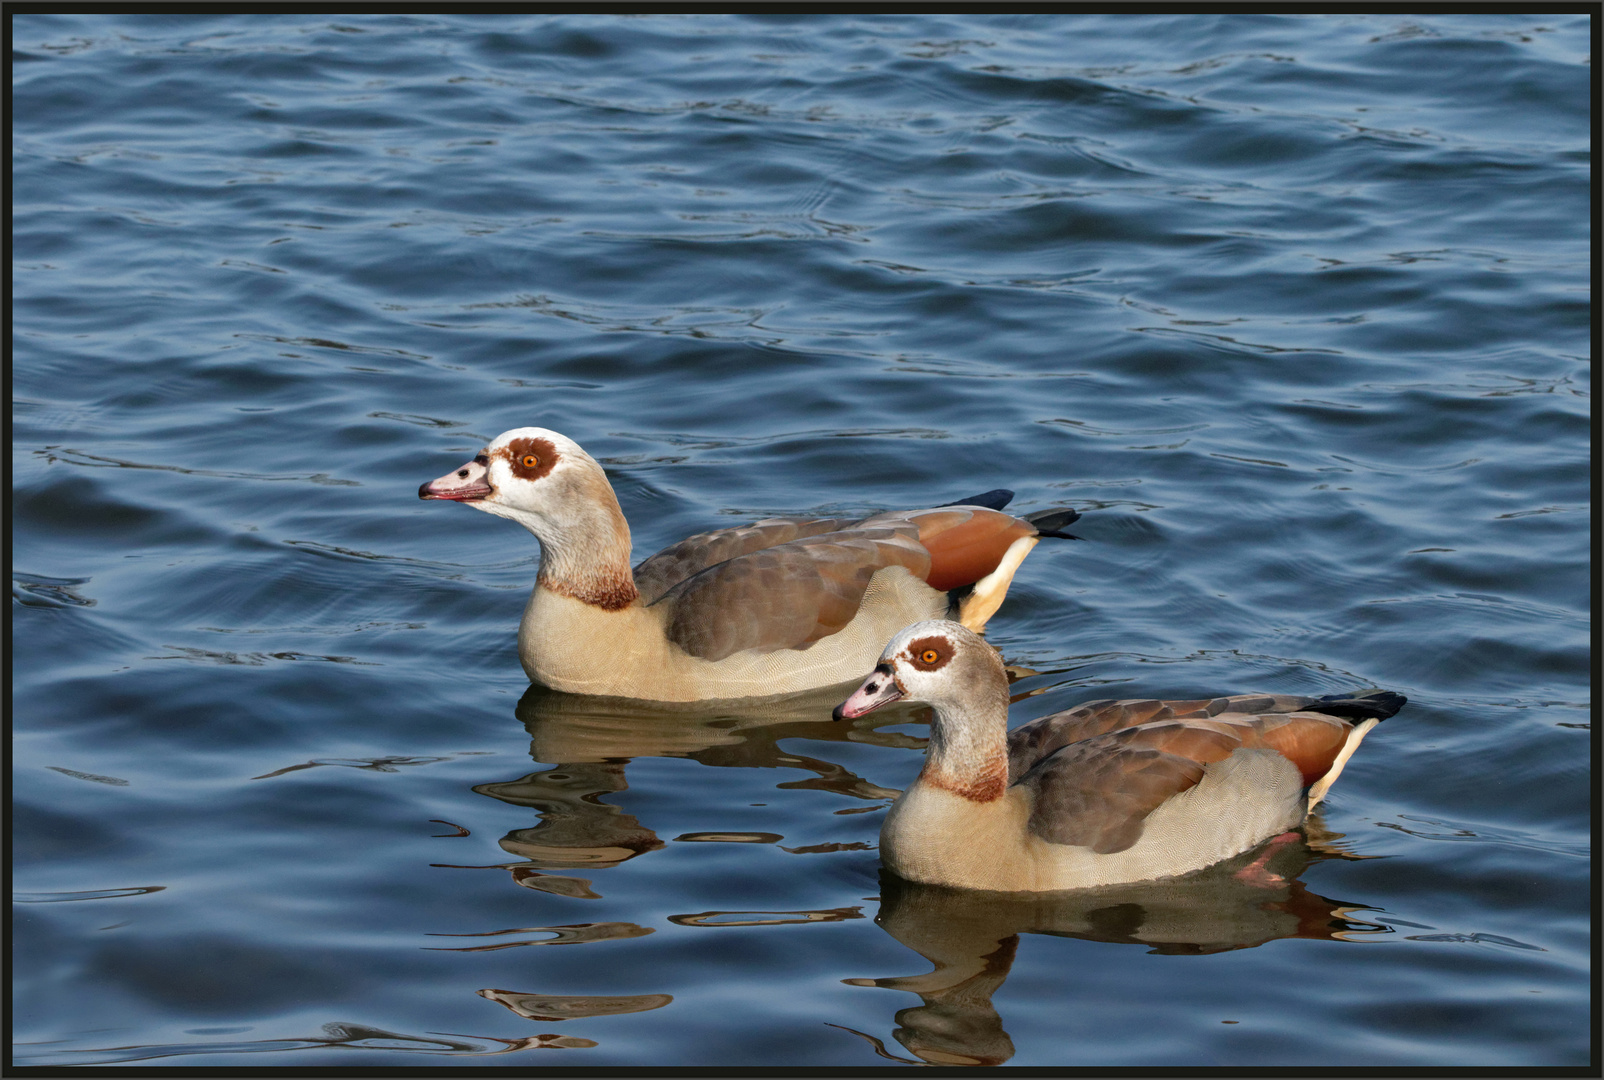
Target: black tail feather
[1372,704]
[995,499]
[1052,522]
[1047,522]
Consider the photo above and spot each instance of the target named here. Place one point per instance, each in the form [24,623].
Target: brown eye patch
[530,458]
[929,653]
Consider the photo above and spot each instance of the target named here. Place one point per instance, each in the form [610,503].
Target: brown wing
[1030,743]
[1098,792]
[787,596]
[1095,786]
[656,575]
[965,543]
[783,583]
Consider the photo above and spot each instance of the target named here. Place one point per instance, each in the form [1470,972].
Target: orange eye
[929,656]
[530,461]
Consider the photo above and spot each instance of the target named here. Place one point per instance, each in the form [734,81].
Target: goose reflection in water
[972,936]
[589,741]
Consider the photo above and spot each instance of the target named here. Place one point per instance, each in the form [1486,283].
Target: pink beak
[468,484]
[880,688]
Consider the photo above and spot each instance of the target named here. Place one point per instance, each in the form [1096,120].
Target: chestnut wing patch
[965,543]
[789,595]
[1310,741]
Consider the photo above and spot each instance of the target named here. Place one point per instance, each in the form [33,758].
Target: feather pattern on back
[787,596]
[784,583]
[681,561]
[1099,769]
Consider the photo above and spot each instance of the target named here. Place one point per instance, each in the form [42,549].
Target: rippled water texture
[1296,309]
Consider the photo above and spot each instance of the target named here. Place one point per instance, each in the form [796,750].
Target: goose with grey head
[778,606]
[1103,794]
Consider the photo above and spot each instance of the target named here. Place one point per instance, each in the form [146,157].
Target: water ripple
[1306,339]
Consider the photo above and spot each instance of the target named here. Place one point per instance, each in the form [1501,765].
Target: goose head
[546,482]
[528,474]
[936,661]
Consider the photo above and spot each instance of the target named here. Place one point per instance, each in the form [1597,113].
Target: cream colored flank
[934,836]
[569,645]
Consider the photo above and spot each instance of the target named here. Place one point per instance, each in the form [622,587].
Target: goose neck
[584,550]
[968,751]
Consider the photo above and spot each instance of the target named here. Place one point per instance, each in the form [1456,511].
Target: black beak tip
[837,713]
[423,490]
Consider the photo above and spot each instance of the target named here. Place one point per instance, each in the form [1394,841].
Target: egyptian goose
[781,605]
[1106,793]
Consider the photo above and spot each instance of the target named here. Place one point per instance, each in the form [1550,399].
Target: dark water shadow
[971,936]
[589,741]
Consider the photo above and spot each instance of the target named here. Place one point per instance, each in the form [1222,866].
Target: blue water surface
[1296,309]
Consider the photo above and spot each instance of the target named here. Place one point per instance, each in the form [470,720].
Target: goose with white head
[1106,793]
[775,607]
